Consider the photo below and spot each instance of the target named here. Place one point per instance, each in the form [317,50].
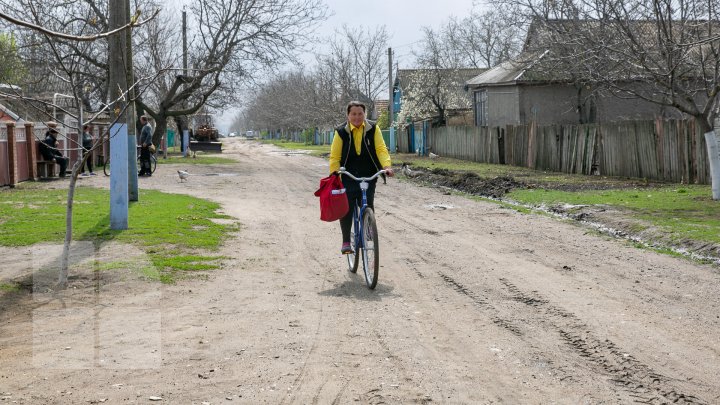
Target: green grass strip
[681,211]
[170,227]
[198,160]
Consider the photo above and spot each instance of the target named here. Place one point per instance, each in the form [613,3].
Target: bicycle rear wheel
[153,164]
[106,167]
[370,251]
[353,259]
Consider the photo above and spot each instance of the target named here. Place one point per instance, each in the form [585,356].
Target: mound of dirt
[469,182]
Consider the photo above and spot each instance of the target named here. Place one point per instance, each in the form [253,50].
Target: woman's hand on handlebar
[389,171]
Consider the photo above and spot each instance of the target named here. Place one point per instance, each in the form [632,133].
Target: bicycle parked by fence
[364,237]
[153,163]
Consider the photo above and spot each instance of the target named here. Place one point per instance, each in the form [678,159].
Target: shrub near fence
[658,150]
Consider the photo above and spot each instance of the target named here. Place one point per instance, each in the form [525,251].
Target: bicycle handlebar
[373,177]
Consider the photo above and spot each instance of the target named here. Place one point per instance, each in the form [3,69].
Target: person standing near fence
[87,144]
[145,142]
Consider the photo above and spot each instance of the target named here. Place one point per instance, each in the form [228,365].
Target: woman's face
[356,116]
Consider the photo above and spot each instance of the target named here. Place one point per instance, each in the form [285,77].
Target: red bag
[333,200]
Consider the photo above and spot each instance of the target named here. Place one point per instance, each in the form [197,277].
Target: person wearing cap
[49,148]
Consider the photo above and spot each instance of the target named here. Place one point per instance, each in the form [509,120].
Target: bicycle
[153,164]
[364,237]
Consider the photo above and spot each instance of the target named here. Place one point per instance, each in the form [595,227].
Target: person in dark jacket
[49,148]
[145,142]
[359,147]
[87,144]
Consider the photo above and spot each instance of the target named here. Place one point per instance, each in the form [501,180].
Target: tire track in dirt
[501,322]
[299,380]
[339,395]
[624,370]
[627,373]
[631,375]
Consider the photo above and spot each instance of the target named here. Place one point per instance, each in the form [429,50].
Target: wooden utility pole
[132,119]
[184,34]
[183,132]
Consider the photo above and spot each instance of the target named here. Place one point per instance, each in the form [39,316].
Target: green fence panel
[170,138]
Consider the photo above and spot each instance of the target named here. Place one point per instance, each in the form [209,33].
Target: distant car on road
[232,134]
[250,135]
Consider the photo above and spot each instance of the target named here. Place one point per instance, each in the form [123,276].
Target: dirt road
[476,303]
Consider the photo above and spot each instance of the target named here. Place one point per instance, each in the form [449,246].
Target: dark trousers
[354,195]
[63,162]
[145,160]
[88,163]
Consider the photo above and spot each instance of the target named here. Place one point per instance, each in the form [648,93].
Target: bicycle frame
[359,211]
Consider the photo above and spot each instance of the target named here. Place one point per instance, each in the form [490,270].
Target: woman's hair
[355,104]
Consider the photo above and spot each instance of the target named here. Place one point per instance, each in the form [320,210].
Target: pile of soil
[468,182]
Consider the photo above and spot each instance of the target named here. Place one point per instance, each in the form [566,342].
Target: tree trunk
[160,131]
[65,260]
[703,123]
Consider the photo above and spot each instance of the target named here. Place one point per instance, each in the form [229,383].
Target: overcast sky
[402,18]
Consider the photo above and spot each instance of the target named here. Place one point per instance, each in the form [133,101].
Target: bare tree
[235,39]
[354,69]
[356,66]
[661,51]
[433,93]
[488,38]
[290,101]
[483,39]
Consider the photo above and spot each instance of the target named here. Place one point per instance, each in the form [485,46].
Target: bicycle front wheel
[353,259]
[370,249]
[106,167]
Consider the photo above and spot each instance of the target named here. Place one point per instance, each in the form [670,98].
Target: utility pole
[391,102]
[184,134]
[117,56]
[390,86]
[184,34]
[132,118]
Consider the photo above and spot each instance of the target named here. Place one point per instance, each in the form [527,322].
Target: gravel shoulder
[476,303]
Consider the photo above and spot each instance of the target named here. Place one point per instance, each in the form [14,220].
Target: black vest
[366,163]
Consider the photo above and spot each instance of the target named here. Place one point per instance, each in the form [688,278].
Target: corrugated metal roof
[509,72]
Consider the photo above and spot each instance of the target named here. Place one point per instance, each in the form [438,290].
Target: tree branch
[26,24]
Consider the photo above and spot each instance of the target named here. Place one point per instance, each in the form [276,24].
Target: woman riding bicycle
[362,156]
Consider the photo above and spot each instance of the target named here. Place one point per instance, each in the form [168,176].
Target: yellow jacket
[357,134]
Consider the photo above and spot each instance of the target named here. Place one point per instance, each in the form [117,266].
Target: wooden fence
[673,151]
